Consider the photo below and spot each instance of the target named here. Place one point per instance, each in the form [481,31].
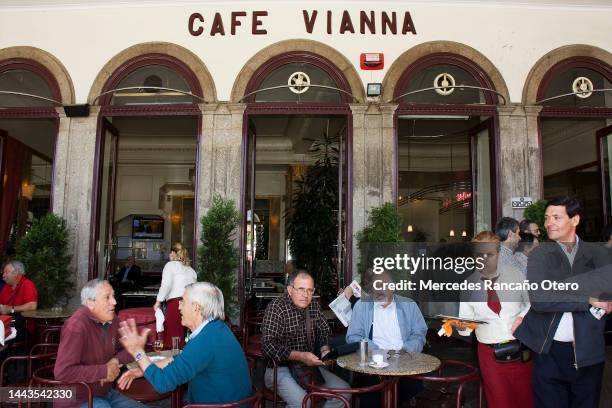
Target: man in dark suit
[565,328]
[129,276]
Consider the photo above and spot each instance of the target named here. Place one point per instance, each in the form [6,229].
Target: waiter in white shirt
[507,384]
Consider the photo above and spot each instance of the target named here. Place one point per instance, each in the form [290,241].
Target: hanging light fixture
[451,232]
[464,233]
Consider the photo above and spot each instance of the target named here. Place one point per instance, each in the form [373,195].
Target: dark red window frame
[107,110]
[487,109]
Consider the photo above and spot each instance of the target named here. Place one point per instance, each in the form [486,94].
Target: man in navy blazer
[129,275]
[565,329]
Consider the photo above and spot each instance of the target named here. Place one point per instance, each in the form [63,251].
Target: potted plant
[218,258]
[312,222]
[384,226]
[535,213]
[44,253]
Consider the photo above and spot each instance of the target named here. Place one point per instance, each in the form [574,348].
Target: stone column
[519,156]
[220,154]
[73,186]
[373,162]
[534,153]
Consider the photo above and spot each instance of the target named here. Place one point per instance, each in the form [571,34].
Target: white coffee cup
[378,359]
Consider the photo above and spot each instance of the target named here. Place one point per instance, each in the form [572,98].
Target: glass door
[483,173]
[249,217]
[106,242]
[342,200]
[604,138]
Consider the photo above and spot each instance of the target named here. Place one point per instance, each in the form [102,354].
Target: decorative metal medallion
[298,82]
[583,87]
[443,83]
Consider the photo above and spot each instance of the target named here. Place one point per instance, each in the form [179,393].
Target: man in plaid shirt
[285,339]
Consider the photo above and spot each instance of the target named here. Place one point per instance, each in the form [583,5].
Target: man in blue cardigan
[388,322]
[212,363]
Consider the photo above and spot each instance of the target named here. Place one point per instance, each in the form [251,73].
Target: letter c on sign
[192,19]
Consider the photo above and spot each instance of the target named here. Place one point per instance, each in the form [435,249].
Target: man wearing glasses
[293,331]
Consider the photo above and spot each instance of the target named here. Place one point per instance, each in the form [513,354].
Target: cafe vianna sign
[325,21]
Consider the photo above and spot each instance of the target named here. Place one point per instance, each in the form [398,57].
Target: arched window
[144,86]
[446,149]
[444,79]
[147,147]
[25,83]
[152,79]
[579,83]
[298,78]
[576,138]
[297,140]
[27,146]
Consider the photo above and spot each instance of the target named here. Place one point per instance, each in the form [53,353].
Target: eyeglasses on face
[304,291]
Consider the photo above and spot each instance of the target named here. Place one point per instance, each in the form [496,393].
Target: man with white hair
[89,350]
[20,293]
[212,363]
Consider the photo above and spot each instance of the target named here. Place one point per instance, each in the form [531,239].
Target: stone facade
[221,142]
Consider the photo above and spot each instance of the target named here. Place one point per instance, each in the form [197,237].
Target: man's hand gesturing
[112,370]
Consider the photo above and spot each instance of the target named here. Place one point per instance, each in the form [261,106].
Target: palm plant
[312,222]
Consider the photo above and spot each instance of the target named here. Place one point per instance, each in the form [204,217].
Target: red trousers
[172,324]
[506,385]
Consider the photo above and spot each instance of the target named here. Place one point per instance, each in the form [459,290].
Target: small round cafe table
[400,365]
[46,318]
[54,313]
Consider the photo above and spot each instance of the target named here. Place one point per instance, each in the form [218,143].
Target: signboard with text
[521,202]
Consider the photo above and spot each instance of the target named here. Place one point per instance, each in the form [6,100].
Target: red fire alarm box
[371,61]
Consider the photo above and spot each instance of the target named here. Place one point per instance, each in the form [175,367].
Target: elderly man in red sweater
[89,349]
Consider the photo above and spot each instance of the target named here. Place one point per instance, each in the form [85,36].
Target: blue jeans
[293,394]
[114,399]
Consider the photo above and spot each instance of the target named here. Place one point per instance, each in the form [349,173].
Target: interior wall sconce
[175,218]
[27,190]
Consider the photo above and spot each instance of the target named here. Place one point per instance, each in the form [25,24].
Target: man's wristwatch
[139,356]
[13,310]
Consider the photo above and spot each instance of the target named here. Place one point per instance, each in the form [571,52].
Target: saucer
[374,365]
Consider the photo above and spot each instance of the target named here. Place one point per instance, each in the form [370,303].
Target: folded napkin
[11,336]
[159,320]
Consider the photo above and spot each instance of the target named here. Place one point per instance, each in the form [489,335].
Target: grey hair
[17,266]
[90,290]
[299,272]
[210,299]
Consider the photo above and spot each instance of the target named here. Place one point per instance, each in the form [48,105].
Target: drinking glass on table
[158,345]
[176,343]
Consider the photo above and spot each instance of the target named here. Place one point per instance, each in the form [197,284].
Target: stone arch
[415,53]
[192,61]
[50,62]
[552,58]
[282,47]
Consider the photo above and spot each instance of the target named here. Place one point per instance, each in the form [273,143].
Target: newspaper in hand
[342,307]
